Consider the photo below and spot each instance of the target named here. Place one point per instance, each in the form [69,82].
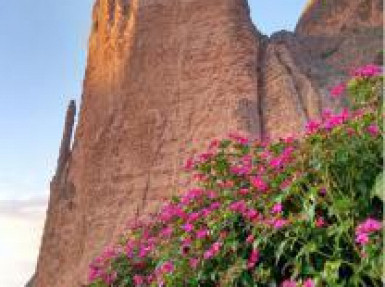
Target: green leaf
[378,188]
[331,271]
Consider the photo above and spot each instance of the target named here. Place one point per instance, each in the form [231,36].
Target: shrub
[295,212]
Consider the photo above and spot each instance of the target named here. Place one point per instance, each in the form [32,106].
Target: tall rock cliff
[163,78]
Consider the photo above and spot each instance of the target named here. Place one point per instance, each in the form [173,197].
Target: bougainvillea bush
[294,212]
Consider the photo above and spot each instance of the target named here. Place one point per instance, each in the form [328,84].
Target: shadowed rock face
[163,78]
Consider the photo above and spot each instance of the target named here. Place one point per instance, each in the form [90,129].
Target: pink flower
[202,233]
[214,144]
[250,239]
[309,283]
[313,127]
[191,195]
[320,222]
[94,274]
[200,177]
[251,214]
[228,184]
[216,247]
[364,229]
[204,157]
[206,211]
[369,225]
[215,205]
[240,170]
[194,263]
[259,183]
[212,251]
[289,283]
[289,139]
[362,238]
[239,138]
[373,130]
[189,164]
[244,191]
[138,280]
[208,254]
[338,90]
[150,278]
[109,279]
[166,232]
[276,163]
[212,194]
[326,114]
[194,216]
[188,227]
[277,208]
[368,71]
[168,267]
[253,259]
[109,253]
[279,223]
[238,206]
[186,241]
[144,251]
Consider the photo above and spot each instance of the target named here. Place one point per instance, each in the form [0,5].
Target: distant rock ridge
[333,17]
[163,78]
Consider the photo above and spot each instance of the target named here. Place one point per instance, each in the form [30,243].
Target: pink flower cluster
[338,90]
[213,250]
[253,258]
[277,208]
[366,228]
[368,71]
[280,161]
[259,183]
[373,130]
[97,269]
[243,140]
[292,283]
[260,171]
[328,122]
[251,214]
[241,207]
[243,167]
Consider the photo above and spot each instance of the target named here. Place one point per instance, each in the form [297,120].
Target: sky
[43,49]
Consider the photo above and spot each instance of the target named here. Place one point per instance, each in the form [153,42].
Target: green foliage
[378,188]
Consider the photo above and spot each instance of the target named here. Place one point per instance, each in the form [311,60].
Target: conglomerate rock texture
[166,76]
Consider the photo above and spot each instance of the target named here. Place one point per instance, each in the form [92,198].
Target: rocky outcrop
[65,147]
[31,282]
[331,17]
[163,78]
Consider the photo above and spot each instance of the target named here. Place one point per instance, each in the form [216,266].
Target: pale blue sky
[43,47]
[42,54]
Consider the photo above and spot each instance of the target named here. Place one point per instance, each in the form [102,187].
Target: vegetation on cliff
[297,212]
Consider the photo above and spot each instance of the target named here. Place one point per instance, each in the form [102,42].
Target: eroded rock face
[163,78]
[333,17]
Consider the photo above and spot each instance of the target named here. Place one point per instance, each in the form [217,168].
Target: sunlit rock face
[163,78]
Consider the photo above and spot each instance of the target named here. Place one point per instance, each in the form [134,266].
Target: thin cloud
[24,208]
[21,227]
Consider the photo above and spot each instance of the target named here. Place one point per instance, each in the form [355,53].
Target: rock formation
[30,283]
[163,78]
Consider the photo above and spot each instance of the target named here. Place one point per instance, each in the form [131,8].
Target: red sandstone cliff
[165,76]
